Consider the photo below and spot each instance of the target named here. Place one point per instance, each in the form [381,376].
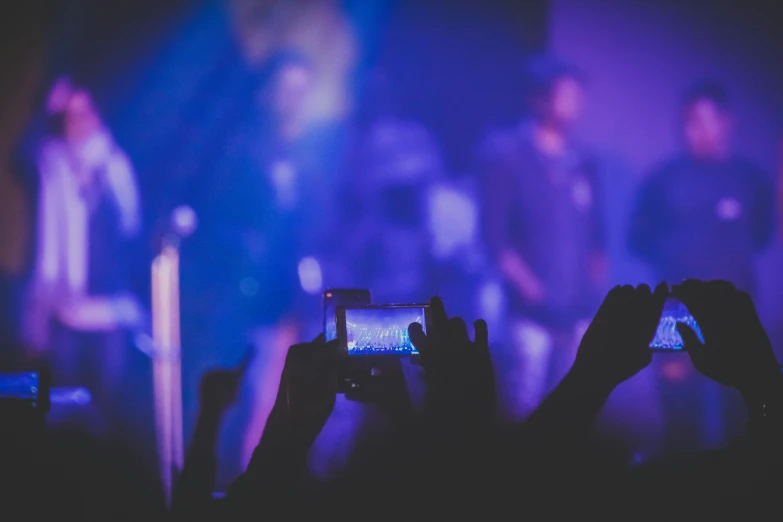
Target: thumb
[692,345]
[419,339]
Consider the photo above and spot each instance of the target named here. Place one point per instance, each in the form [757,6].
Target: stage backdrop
[170,78]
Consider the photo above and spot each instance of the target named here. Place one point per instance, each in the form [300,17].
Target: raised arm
[738,353]
[279,463]
[614,349]
[193,492]
[122,182]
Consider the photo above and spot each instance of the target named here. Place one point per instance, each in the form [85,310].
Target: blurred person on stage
[410,231]
[396,163]
[318,29]
[80,305]
[271,222]
[413,225]
[707,213]
[543,226]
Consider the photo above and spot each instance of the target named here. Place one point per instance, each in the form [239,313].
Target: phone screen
[667,338]
[382,330]
[334,299]
[20,386]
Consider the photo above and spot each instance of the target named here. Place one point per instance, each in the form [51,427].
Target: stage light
[310,276]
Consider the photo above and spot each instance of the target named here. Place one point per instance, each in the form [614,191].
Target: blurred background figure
[706,213]
[397,163]
[394,164]
[318,29]
[411,231]
[81,308]
[543,225]
[273,221]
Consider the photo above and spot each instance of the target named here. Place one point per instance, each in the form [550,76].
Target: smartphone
[337,297]
[21,387]
[667,338]
[379,330]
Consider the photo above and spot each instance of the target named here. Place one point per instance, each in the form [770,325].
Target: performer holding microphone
[88,213]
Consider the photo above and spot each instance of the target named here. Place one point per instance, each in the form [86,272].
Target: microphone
[184,221]
[181,224]
[70,396]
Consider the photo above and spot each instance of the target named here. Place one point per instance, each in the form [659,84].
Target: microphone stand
[166,351]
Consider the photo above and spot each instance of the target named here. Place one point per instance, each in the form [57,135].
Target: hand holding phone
[372,340]
[616,345]
[379,330]
[736,350]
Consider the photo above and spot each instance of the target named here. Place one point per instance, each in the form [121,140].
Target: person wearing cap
[542,222]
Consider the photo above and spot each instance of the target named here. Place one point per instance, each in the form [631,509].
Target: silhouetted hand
[614,348]
[455,442]
[458,371]
[219,388]
[307,392]
[737,351]
[616,344]
[386,389]
[192,496]
[304,402]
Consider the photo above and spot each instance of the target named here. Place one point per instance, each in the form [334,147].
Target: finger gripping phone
[667,338]
[339,297]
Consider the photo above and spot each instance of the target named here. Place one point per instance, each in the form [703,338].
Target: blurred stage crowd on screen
[313,186]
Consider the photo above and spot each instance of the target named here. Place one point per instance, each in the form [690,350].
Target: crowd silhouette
[293,191]
[454,458]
